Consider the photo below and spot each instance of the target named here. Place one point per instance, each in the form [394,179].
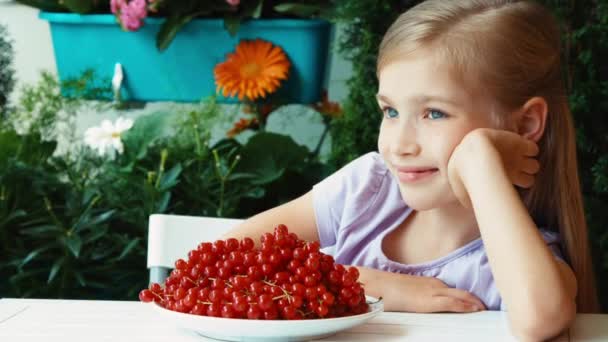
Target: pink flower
[233,3]
[117,5]
[129,22]
[130,14]
[138,8]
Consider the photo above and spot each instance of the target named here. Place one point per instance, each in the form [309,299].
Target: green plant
[75,225]
[177,13]
[7,74]
[44,109]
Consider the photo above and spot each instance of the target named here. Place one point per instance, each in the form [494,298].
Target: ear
[531,119]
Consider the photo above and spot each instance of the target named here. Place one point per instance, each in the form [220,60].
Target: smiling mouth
[412,176]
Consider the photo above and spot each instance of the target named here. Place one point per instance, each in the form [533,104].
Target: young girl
[472,200]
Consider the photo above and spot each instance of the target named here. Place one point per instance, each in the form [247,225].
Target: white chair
[171,237]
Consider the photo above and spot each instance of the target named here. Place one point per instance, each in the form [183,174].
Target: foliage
[177,13]
[7,74]
[75,225]
[586,43]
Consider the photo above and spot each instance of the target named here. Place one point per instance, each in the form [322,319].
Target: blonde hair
[511,48]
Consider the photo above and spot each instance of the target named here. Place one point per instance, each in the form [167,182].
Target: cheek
[382,140]
[443,146]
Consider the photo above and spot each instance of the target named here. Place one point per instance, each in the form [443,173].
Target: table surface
[92,321]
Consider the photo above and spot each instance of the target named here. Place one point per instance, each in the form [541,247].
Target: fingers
[530,148]
[530,166]
[451,304]
[524,180]
[461,295]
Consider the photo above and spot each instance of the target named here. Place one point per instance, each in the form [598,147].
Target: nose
[405,141]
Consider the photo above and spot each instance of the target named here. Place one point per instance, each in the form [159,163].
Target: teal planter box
[184,71]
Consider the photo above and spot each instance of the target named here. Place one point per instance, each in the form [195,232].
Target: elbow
[542,321]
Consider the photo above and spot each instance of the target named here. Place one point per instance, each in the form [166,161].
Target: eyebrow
[421,99]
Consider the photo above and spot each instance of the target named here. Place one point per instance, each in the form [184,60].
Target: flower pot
[184,71]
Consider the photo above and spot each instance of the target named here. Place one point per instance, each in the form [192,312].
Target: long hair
[510,51]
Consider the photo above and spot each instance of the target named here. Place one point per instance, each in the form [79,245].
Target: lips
[410,174]
[415,169]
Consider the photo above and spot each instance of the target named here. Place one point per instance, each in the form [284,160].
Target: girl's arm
[298,215]
[400,292]
[538,290]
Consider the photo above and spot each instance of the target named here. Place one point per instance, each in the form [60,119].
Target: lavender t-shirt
[360,204]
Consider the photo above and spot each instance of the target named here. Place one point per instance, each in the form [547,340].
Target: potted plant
[165,49]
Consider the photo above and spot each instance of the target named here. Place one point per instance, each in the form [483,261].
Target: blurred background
[89,149]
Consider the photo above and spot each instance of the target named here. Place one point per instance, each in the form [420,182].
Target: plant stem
[258,113]
[49,209]
[317,149]
[222,182]
[161,167]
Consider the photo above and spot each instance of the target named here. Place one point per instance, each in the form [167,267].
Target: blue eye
[435,114]
[390,112]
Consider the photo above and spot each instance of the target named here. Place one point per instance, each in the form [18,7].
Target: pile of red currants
[286,278]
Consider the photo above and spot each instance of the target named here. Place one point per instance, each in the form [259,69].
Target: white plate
[232,329]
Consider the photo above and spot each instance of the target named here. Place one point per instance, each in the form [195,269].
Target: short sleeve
[346,194]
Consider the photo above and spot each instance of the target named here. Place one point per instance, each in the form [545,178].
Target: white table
[44,320]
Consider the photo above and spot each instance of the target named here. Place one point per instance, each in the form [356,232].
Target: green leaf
[80,278]
[92,223]
[74,243]
[24,275]
[101,218]
[145,131]
[55,269]
[300,10]
[87,196]
[163,203]
[13,215]
[240,176]
[45,5]
[169,29]
[232,24]
[33,254]
[96,235]
[39,230]
[257,12]
[80,6]
[128,248]
[9,145]
[169,178]
[255,193]
[268,173]
[269,155]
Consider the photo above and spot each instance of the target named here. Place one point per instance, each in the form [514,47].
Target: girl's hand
[492,150]
[427,294]
[410,293]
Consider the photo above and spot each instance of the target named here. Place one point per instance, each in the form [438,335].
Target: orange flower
[242,125]
[254,70]
[326,107]
[265,109]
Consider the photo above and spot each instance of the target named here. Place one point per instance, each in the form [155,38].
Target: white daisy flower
[106,138]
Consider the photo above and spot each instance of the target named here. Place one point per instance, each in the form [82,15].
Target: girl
[474,190]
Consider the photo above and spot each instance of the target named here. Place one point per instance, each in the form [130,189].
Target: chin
[425,201]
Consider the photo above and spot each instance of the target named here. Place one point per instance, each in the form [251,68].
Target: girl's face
[426,113]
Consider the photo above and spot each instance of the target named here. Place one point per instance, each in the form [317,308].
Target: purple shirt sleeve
[344,196]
